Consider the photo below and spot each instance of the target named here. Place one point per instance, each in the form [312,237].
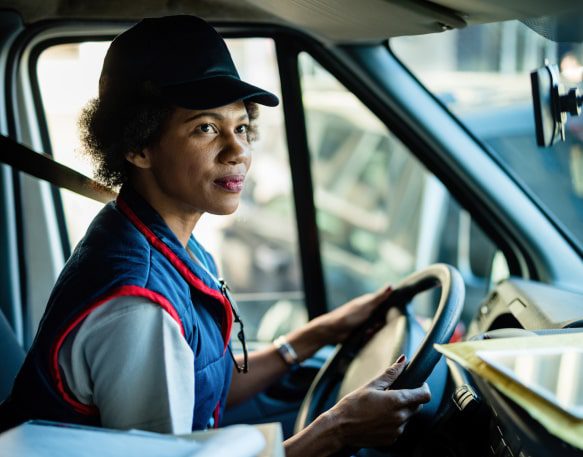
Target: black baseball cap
[183,59]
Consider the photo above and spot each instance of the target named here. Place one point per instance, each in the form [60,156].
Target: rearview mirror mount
[551,103]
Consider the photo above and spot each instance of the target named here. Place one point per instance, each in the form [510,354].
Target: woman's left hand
[335,326]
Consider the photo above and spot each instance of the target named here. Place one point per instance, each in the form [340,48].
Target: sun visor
[566,27]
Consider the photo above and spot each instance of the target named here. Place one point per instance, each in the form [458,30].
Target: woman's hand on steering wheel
[374,415]
[335,326]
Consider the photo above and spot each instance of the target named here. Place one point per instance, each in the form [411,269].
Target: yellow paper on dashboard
[482,357]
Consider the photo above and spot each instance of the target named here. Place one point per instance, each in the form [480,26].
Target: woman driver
[136,331]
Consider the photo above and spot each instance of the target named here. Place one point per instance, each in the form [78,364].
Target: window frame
[337,60]
[312,275]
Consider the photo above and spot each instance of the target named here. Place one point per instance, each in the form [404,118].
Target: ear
[140,159]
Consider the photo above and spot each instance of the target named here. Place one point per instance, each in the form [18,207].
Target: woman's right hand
[374,415]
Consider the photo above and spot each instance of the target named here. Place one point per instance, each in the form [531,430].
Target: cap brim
[216,91]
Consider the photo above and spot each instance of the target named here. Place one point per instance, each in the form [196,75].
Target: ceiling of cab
[335,20]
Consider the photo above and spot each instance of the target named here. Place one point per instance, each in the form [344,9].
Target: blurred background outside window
[481,73]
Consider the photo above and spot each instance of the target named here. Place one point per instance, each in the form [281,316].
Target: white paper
[237,440]
[36,439]
[552,373]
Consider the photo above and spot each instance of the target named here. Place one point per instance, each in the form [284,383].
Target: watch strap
[286,350]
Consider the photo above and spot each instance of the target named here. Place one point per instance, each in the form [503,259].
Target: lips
[232,183]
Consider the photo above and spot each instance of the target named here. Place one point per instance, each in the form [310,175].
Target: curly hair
[110,126]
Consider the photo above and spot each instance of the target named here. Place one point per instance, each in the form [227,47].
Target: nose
[235,150]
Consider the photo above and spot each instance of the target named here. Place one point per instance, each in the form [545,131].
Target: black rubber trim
[299,159]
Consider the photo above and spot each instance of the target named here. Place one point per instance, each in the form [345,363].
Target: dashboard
[527,305]
[478,420]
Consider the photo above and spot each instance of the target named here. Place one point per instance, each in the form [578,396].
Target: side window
[256,248]
[68,76]
[381,215]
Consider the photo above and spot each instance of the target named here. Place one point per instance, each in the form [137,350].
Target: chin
[224,210]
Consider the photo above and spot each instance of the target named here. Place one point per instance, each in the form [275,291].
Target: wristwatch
[286,350]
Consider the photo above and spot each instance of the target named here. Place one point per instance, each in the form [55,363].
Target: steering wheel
[348,367]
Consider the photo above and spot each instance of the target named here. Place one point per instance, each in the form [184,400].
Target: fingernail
[388,289]
[401,358]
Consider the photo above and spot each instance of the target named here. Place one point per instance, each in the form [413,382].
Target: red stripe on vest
[190,277]
[216,414]
[123,291]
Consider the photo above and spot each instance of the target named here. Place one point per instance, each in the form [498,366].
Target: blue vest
[128,250]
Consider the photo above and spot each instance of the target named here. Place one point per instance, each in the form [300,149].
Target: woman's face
[200,162]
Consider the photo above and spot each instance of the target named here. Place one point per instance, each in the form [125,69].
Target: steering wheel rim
[425,358]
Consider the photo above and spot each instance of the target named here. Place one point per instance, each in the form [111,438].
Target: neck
[180,225]
[180,219]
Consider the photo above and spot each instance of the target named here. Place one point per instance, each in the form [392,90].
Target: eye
[242,129]
[206,128]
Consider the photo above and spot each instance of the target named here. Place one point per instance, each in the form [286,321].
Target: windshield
[482,74]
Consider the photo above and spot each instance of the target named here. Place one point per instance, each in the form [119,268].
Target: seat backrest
[11,357]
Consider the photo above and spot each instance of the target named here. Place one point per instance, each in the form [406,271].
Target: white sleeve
[130,360]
